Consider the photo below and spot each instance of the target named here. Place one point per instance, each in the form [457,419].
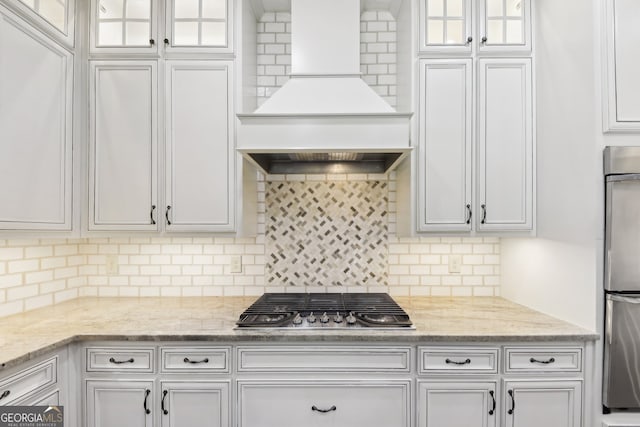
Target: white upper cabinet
[54,17]
[123,146]
[199,146]
[446,26]
[622,112]
[134,26]
[465,26]
[505,145]
[445,138]
[36,92]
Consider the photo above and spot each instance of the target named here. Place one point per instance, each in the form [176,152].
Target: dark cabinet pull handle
[153,221]
[164,395]
[323,411]
[469,214]
[166,215]
[152,42]
[147,392]
[166,41]
[484,214]
[493,399]
[120,362]
[469,39]
[5,394]
[544,362]
[484,39]
[187,360]
[453,362]
[513,402]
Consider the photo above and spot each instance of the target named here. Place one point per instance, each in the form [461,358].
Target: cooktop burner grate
[321,311]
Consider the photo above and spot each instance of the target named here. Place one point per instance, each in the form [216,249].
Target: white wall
[557,273]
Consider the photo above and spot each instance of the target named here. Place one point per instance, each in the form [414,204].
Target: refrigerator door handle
[621,298]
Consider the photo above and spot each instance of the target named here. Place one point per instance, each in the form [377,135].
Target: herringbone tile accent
[328,233]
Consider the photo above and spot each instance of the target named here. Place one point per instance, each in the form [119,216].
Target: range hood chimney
[325,119]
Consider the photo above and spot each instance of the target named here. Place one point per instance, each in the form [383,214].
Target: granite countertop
[437,319]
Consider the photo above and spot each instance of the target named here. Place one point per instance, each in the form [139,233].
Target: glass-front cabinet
[459,26]
[134,26]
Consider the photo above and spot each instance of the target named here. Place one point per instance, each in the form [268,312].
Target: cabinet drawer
[28,381]
[521,359]
[110,359]
[447,360]
[324,403]
[313,359]
[201,359]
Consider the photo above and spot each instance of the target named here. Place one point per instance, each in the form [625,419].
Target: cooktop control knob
[351,319]
[297,320]
[311,318]
[324,318]
[338,318]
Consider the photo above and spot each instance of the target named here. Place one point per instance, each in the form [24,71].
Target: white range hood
[325,119]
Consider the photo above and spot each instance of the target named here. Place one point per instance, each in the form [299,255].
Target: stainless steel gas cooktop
[325,311]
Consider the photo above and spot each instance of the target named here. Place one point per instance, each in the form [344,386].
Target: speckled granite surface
[437,319]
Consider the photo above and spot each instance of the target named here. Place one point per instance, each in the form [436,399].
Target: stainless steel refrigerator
[621,384]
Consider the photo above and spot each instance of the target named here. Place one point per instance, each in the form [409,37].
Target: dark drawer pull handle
[187,360]
[453,362]
[544,362]
[120,362]
[164,396]
[323,411]
[493,398]
[146,395]
[166,215]
[484,214]
[469,214]
[5,394]
[153,221]
[513,403]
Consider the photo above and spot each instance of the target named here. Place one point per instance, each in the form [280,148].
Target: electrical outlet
[112,264]
[455,263]
[236,264]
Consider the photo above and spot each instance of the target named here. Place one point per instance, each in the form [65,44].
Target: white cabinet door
[446,26]
[119,403]
[324,403]
[505,145]
[35,129]
[199,25]
[199,143]
[457,404]
[623,67]
[446,135]
[505,26]
[193,403]
[542,403]
[123,151]
[119,26]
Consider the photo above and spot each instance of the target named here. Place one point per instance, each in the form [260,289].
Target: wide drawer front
[340,403]
[201,359]
[543,359]
[447,360]
[110,359]
[29,381]
[313,359]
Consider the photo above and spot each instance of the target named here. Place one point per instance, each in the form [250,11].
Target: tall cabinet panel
[123,146]
[446,101]
[36,90]
[505,145]
[199,156]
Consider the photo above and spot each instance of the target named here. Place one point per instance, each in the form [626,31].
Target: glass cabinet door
[118,24]
[505,25]
[197,23]
[446,25]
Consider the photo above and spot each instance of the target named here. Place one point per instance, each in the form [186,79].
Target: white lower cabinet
[549,403]
[115,403]
[194,403]
[324,403]
[457,404]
